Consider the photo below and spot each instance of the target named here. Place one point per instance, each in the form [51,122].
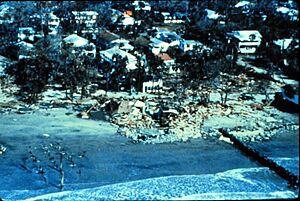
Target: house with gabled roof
[168,18]
[79,45]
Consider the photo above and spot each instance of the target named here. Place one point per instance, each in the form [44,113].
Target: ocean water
[244,183]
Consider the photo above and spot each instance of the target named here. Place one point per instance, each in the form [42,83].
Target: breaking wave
[245,183]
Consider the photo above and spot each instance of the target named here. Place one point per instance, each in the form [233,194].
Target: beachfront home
[246,41]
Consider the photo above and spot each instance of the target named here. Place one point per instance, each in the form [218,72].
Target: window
[252,37]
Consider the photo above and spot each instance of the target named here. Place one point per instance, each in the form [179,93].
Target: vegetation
[61,66]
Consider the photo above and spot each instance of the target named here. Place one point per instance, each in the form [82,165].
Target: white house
[80,45]
[89,18]
[26,50]
[247,41]
[244,6]
[285,46]
[153,86]
[107,55]
[187,45]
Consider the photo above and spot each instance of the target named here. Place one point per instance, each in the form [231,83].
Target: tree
[31,75]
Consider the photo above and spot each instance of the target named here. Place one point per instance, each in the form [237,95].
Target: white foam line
[163,187]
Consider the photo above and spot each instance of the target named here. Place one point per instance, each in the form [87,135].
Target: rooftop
[212,14]
[164,57]
[76,40]
[242,4]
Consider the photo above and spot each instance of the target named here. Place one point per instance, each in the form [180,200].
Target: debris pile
[236,102]
[153,121]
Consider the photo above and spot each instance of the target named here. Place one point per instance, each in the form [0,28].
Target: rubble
[197,113]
